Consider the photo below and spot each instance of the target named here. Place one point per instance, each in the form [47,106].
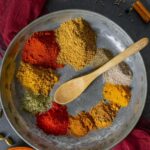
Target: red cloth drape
[16,14]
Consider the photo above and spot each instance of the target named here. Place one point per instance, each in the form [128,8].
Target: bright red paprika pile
[42,49]
[55,121]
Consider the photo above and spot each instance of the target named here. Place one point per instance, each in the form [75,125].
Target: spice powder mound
[120,74]
[77,43]
[81,124]
[104,113]
[77,127]
[118,94]
[101,57]
[36,103]
[37,79]
[55,121]
[42,49]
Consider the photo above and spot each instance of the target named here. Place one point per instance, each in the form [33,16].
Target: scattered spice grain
[37,79]
[77,43]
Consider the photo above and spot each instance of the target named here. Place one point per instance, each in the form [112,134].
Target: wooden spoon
[70,90]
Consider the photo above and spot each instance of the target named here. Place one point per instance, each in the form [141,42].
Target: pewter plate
[109,36]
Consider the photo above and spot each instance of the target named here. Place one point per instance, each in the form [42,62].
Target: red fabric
[138,139]
[15,14]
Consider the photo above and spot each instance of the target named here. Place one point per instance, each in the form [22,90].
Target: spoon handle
[134,48]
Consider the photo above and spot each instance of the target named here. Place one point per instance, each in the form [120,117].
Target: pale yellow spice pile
[77,43]
[37,79]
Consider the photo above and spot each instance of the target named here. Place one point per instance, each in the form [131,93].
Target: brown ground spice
[104,113]
[76,126]
[81,124]
[100,116]
[77,43]
[87,120]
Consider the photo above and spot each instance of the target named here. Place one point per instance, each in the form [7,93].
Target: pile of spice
[101,57]
[77,43]
[104,113]
[42,49]
[120,74]
[55,121]
[100,116]
[81,124]
[118,94]
[36,103]
[37,79]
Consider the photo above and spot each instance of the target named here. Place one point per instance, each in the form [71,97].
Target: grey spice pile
[120,74]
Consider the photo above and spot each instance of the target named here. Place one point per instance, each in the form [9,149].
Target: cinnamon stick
[142,11]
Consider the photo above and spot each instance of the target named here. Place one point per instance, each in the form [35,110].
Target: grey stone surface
[131,23]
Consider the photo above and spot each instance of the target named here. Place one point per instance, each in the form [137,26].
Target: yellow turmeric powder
[118,94]
[37,79]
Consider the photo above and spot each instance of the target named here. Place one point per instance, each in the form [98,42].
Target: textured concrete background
[131,23]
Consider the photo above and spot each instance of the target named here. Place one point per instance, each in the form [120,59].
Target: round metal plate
[109,36]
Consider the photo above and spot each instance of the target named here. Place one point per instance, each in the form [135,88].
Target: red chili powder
[42,49]
[55,121]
